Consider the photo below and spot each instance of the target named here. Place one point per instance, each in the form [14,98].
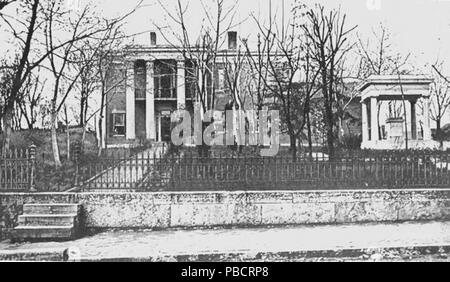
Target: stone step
[47,220]
[46,209]
[44,232]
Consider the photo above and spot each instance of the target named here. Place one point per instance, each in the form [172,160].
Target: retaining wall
[236,209]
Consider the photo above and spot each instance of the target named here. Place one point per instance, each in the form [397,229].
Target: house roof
[177,51]
[393,80]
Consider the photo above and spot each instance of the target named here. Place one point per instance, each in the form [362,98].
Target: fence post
[33,168]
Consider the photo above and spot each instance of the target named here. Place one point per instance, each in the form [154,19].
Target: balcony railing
[166,93]
[140,94]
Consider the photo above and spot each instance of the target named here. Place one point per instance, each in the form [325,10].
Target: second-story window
[165,79]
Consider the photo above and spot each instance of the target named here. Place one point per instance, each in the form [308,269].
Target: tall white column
[181,85]
[374,120]
[150,120]
[426,120]
[365,123]
[130,103]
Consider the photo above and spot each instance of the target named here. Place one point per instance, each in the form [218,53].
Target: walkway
[159,244]
[127,174]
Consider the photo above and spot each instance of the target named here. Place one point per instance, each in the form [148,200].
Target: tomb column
[413,120]
[374,119]
[426,119]
[365,123]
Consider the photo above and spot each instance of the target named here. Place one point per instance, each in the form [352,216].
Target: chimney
[232,40]
[152,38]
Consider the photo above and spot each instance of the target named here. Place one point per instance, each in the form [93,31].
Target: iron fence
[120,169]
[17,169]
[150,172]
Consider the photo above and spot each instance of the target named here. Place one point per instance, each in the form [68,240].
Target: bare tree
[377,54]
[67,124]
[93,60]
[203,51]
[328,37]
[25,109]
[27,31]
[33,96]
[78,26]
[4,3]
[257,62]
[440,98]
[6,75]
[235,75]
[24,67]
[378,57]
[287,74]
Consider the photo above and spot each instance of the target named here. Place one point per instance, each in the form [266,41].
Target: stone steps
[44,232]
[50,209]
[48,221]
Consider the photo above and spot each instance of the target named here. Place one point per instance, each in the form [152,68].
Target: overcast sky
[419,27]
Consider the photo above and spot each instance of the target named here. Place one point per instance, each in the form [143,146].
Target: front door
[165,129]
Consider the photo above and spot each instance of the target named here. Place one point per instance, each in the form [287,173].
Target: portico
[160,86]
[390,106]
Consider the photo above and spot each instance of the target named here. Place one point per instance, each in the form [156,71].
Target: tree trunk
[330,138]
[329,127]
[54,138]
[83,136]
[204,148]
[439,134]
[68,142]
[293,147]
[82,111]
[308,125]
[341,129]
[328,107]
[32,118]
[100,136]
[100,122]
[7,122]
[67,133]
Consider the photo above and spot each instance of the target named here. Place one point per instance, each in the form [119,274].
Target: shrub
[351,142]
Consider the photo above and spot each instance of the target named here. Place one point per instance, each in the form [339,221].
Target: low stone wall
[235,209]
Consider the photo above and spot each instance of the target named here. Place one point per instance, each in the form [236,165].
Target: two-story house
[149,83]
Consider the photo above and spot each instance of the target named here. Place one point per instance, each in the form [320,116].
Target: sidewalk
[170,245]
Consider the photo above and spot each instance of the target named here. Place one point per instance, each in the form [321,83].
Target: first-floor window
[119,124]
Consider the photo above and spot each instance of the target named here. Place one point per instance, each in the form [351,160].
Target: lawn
[48,178]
